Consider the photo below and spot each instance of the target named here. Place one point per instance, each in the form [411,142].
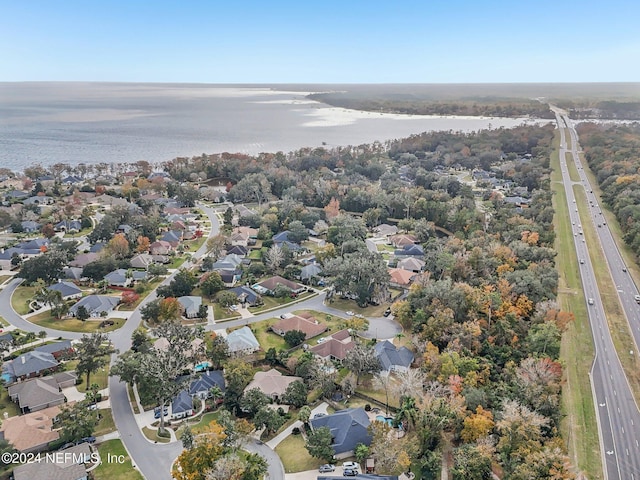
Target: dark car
[156,412]
[90,439]
[349,473]
[327,467]
[387,312]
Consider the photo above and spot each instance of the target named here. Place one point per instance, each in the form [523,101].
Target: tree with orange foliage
[170,309]
[143,244]
[208,447]
[477,425]
[118,246]
[48,230]
[332,209]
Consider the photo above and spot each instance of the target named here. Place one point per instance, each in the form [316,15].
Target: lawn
[268,339]
[255,254]
[294,456]
[152,435]
[220,313]
[4,278]
[351,305]
[272,302]
[115,470]
[46,320]
[106,423]
[101,377]
[6,405]
[21,298]
[199,426]
[148,288]
[579,427]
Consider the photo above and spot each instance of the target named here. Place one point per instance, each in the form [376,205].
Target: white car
[351,465]
[349,313]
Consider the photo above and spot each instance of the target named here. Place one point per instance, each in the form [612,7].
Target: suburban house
[173,237]
[83,259]
[118,278]
[40,393]
[142,260]
[310,326]
[29,226]
[242,342]
[30,364]
[182,406]
[6,337]
[386,230]
[400,278]
[97,305]
[31,432]
[67,290]
[272,383]
[237,250]
[97,247]
[409,251]
[310,271]
[69,467]
[246,296]
[335,347]
[68,226]
[72,273]
[190,305]
[160,247]
[243,236]
[201,386]
[401,240]
[411,264]
[269,285]
[393,359]
[38,200]
[57,349]
[348,428]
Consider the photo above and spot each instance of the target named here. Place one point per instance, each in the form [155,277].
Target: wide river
[74,123]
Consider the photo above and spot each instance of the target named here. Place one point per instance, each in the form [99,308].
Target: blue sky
[347,41]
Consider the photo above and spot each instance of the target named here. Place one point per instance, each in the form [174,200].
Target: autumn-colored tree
[48,230]
[392,455]
[477,425]
[207,448]
[100,189]
[170,309]
[332,209]
[143,244]
[118,246]
[129,297]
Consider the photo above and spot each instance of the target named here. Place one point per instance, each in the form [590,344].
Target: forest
[613,154]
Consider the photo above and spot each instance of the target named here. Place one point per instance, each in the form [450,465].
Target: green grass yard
[114,470]
[294,456]
[46,320]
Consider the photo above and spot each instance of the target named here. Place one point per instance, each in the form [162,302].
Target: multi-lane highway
[617,412]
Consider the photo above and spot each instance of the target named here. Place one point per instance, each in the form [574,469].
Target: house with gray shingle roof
[29,226]
[201,386]
[36,394]
[118,278]
[182,406]
[348,428]
[97,305]
[57,349]
[393,359]
[67,290]
[242,342]
[30,364]
[190,305]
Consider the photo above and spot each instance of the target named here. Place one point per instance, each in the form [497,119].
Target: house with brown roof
[400,278]
[269,285]
[401,240]
[310,326]
[160,247]
[83,259]
[271,383]
[412,264]
[31,432]
[334,347]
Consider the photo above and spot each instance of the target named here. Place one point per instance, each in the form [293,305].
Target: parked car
[90,439]
[318,415]
[351,466]
[349,473]
[387,312]
[349,313]
[156,412]
[327,467]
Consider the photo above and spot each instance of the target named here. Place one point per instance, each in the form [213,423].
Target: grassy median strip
[618,324]
[579,427]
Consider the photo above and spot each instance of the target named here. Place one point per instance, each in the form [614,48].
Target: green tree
[361,452]
[295,394]
[269,419]
[304,414]
[77,422]
[93,353]
[237,375]
[361,273]
[253,400]
[297,232]
[218,352]
[362,360]
[212,284]
[82,313]
[187,438]
[319,444]
[226,299]
[227,217]
[294,337]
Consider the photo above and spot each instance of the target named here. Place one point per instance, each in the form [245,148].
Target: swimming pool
[388,421]
[7,378]
[201,367]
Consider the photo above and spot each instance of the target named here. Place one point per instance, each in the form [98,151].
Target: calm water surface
[73,123]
